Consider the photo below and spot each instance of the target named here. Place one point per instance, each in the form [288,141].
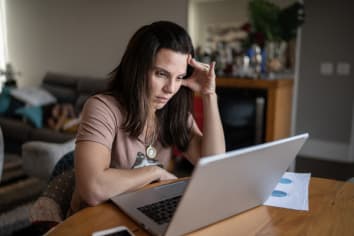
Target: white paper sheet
[291,192]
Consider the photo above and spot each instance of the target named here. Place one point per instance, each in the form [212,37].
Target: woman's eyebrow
[162,69]
[167,72]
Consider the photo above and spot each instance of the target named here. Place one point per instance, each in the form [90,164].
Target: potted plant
[277,26]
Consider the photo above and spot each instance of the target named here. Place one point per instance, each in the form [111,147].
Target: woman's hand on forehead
[203,78]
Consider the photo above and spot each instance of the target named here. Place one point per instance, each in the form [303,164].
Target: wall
[205,12]
[213,12]
[81,37]
[325,103]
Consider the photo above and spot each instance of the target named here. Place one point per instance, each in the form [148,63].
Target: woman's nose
[170,86]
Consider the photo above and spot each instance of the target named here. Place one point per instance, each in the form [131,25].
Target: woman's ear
[189,58]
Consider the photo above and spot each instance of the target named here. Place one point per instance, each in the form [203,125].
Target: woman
[126,135]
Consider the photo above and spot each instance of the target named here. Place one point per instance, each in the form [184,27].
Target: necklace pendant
[151,152]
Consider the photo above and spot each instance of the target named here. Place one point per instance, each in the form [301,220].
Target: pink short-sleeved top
[101,122]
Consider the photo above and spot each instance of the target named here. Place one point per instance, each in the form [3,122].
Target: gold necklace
[150,150]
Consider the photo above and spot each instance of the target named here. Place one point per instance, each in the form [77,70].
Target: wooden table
[331,213]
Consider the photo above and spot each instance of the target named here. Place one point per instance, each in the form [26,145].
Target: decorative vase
[276,55]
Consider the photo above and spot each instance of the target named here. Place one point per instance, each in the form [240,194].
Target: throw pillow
[33,113]
[34,96]
[5,100]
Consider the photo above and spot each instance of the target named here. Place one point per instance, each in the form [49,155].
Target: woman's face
[165,77]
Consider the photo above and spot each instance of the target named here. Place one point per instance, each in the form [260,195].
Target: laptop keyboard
[161,212]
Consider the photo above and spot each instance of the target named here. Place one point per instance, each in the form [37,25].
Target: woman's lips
[161,99]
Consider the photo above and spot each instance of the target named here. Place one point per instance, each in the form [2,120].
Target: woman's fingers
[188,83]
[165,175]
[199,65]
[205,67]
[202,78]
[212,68]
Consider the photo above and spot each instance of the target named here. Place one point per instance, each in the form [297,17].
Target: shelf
[253,83]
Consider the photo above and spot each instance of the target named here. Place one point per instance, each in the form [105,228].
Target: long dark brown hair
[129,84]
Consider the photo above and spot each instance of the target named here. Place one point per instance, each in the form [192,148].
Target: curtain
[3,43]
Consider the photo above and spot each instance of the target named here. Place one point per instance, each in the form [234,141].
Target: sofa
[65,88]
[1,153]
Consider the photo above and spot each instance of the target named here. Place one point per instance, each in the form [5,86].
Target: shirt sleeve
[98,122]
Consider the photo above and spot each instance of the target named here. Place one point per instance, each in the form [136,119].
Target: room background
[87,37]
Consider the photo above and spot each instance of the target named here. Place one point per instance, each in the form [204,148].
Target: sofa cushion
[40,158]
[12,106]
[91,85]
[5,100]
[63,94]
[88,87]
[34,96]
[62,86]
[33,113]
[80,101]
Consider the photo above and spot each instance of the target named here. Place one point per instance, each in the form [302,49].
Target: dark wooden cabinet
[279,93]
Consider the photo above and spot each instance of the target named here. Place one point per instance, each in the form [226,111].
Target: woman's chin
[160,106]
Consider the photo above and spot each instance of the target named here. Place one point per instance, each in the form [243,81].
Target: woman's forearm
[115,181]
[213,141]
[97,182]
[112,182]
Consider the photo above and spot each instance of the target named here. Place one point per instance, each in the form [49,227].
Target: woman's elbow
[93,200]
[92,195]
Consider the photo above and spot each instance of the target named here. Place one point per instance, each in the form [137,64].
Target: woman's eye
[161,74]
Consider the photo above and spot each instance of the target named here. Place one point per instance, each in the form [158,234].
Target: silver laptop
[220,186]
